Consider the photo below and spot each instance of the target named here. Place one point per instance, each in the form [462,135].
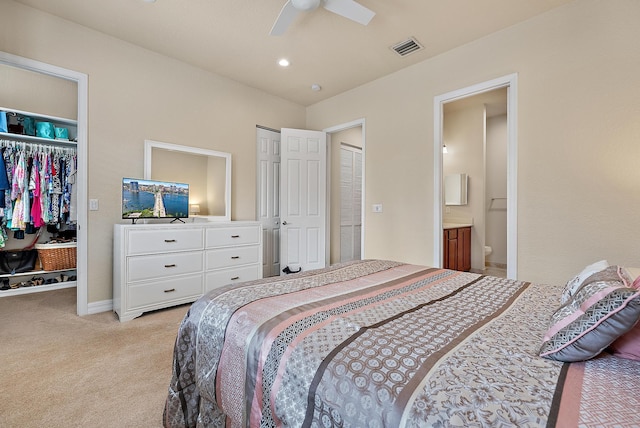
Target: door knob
[284,223]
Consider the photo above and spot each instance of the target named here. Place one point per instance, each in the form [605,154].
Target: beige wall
[578,133]
[135,95]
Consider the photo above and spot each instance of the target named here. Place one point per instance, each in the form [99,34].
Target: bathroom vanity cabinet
[457,248]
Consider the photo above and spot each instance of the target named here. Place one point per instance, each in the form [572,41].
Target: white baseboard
[101,306]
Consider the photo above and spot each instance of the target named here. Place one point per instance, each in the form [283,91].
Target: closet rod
[35,146]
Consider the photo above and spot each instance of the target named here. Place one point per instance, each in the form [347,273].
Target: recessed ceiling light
[283,62]
[316,87]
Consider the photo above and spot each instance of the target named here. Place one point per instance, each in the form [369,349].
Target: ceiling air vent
[407,47]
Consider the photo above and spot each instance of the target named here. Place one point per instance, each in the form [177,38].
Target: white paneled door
[268,199]
[303,193]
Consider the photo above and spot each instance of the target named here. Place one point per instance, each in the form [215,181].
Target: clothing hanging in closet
[38,183]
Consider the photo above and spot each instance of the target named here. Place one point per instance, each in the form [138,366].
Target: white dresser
[160,265]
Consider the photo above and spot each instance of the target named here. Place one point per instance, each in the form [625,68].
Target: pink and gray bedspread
[384,344]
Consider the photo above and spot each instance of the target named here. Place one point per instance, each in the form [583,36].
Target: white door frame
[329,131]
[511,82]
[81,79]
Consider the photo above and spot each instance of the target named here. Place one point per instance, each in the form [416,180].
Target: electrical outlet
[93,205]
[377,208]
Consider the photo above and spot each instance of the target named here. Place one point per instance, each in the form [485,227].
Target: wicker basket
[57,256]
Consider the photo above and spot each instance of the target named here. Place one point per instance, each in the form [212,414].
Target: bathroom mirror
[208,173]
[455,189]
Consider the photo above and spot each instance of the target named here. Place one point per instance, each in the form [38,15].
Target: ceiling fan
[349,9]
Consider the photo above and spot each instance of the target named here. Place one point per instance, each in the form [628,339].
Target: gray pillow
[602,309]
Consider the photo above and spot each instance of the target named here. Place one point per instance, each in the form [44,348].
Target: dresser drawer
[237,235]
[163,240]
[140,268]
[232,256]
[164,291]
[218,278]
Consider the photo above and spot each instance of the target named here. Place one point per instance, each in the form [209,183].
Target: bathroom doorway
[475,135]
[492,194]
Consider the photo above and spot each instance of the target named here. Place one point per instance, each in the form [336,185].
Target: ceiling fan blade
[350,10]
[286,17]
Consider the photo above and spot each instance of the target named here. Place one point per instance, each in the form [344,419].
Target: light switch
[93,205]
[377,208]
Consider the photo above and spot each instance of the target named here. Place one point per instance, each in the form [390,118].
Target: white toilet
[487,250]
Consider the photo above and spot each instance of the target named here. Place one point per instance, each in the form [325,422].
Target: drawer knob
[235,257]
[235,236]
[170,290]
[235,278]
[169,240]
[170,266]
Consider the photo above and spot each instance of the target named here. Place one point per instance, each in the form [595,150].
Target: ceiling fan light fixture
[305,5]
[349,9]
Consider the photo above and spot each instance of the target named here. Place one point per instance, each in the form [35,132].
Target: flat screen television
[154,199]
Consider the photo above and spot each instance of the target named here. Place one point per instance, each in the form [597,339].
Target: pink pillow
[628,345]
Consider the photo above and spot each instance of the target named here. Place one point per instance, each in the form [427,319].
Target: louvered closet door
[350,203]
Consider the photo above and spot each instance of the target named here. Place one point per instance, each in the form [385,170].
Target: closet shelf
[43,117]
[57,121]
[35,273]
[38,288]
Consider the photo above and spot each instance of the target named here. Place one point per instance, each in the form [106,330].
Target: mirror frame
[149,145]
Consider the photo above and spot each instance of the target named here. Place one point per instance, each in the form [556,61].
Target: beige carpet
[61,370]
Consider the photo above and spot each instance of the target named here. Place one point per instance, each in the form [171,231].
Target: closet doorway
[38,70]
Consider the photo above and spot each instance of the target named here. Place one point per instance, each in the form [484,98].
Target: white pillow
[634,273]
[572,286]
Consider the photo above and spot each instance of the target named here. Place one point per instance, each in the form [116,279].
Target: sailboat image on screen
[154,199]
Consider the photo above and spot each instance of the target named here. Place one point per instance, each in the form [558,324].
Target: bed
[377,343]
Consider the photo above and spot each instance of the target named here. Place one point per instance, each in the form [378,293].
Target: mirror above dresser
[208,173]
